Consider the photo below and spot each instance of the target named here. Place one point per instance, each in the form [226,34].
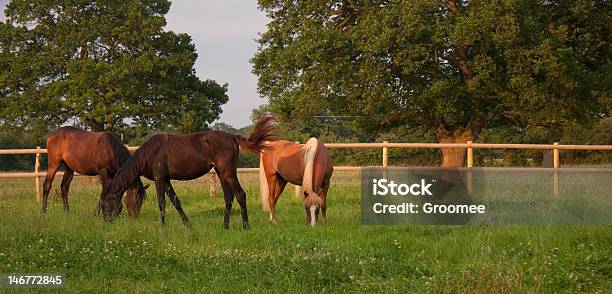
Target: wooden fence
[469,146]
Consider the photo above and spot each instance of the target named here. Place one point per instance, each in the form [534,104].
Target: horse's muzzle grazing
[111,208]
[312,204]
[313,215]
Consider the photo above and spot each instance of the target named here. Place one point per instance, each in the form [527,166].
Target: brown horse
[308,165]
[185,157]
[93,154]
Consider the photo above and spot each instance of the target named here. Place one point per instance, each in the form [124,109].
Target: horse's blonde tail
[310,150]
[263,185]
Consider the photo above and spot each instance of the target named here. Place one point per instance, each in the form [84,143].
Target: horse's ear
[146,186]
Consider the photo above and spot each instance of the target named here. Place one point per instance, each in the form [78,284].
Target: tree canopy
[105,64]
[454,68]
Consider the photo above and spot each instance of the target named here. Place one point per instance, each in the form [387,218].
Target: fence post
[36,170]
[299,190]
[556,155]
[470,164]
[556,169]
[385,155]
[213,185]
[470,154]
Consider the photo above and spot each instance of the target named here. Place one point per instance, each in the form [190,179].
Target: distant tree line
[333,130]
[346,130]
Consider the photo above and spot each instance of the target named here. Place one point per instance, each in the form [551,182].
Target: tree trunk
[454,157]
[95,126]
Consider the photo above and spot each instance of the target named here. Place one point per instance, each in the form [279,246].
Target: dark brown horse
[307,165]
[93,154]
[185,157]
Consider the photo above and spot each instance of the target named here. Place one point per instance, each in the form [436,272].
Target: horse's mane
[132,168]
[120,153]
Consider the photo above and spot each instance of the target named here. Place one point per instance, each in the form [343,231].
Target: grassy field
[343,256]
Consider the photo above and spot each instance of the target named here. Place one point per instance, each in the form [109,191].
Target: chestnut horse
[93,154]
[185,157]
[308,165]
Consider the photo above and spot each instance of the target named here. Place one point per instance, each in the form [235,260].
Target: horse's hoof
[246,226]
[187,224]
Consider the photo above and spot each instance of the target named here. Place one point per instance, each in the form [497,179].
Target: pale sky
[224,33]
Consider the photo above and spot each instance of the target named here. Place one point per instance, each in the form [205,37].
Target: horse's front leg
[160,186]
[105,179]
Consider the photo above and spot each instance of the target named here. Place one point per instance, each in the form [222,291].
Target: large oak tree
[453,67]
[105,64]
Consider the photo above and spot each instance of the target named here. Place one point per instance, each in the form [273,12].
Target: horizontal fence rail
[240,170]
[469,146]
[401,145]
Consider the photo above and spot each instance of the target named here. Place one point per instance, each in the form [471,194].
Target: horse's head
[312,204]
[136,195]
[111,205]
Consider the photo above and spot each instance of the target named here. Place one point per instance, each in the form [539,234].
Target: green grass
[343,256]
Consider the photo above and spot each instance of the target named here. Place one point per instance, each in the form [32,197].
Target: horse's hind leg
[324,205]
[66,186]
[241,198]
[228,196]
[177,204]
[53,166]
[278,185]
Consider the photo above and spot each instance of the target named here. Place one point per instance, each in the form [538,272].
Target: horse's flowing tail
[133,167]
[261,133]
[310,151]
[263,186]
